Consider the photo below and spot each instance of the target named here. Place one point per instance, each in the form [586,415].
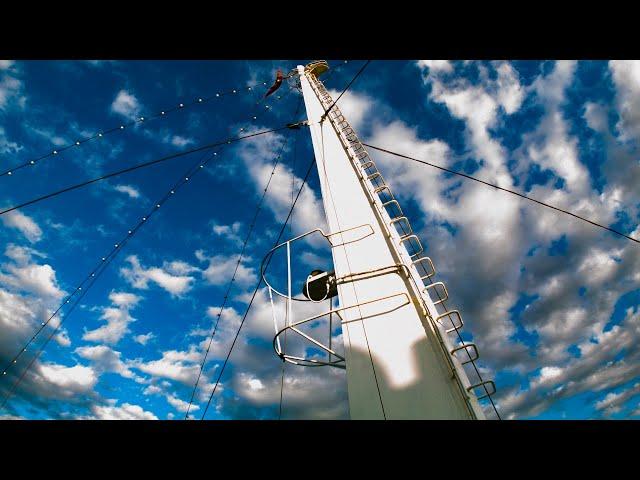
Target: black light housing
[320,285]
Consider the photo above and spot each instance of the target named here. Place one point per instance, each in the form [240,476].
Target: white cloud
[176,284]
[26,225]
[21,254]
[258,156]
[126,411]
[126,104]
[180,405]
[11,87]
[129,190]
[143,339]
[626,76]
[175,365]
[614,402]
[68,381]
[29,277]
[7,146]
[105,359]
[436,66]
[63,338]
[118,319]
[49,134]
[596,116]
[180,141]
[221,268]
[229,232]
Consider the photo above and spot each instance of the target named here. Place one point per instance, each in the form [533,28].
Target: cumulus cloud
[171,277]
[117,319]
[24,275]
[126,104]
[11,86]
[6,145]
[221,268]
[143,339]
[181,366]
[230,233]
[626,76]
[126,411]
[436,66]
[129,190]
[179,141]
[613,402]
[105,359]
[258,156]
[66,381]
[26,225]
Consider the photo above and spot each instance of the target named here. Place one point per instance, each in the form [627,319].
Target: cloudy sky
[552,302]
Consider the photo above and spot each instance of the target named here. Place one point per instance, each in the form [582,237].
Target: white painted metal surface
[397,357]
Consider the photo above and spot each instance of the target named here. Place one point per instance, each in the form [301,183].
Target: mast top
[317,67]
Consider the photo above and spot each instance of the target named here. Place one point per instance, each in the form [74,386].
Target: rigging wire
[141,165]
[326,112]
[513,192]
[255,292]
[238,262]
[96,272]
[141,119]
[197,166]
[293,192]
[95,275]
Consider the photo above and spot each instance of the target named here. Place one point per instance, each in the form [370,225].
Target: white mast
[396,366]
[403,351]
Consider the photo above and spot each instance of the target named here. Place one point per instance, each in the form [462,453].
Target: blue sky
[551,302]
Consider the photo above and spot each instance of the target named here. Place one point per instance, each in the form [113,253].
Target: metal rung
[381,188]
[453,324]
[368,164]
[423,260]
[406,238]
[394,201]
[483,384]
[472,357]
[406,222]
[374,175]
[445,293]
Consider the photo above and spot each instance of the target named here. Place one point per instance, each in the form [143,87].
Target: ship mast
[404,355]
